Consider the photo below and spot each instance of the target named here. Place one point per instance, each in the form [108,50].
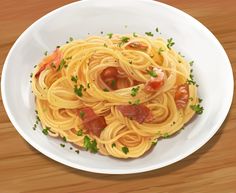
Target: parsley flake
[152,73]
[90,145]
[113,145]
[45,53]
[125,149]
[62,145]
[134,91]
[197,108]
[134,34]
[80,132]
[78,91]
[81,114]
[45,131]
[74,78]
[149,34]
[170,43]
[62,63]
[110,35]
[166,135]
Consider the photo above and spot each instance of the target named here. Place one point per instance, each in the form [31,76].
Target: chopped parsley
[77,151]
[81,114]
[61,65]
[74,78]
[78,91]
[80,132]
[190,80]
[64,139]
[136,102]
[88,85]
[105,90]
[113,145]
[113,83]
[45,53]
[45,131]
[191,63]
[149,34]
[105,45]
[134,34]
[160,50]
[62,145]
[90,145]
[125,149]
[166,135]
[68,58]
[200,100]
[71,39]
[101,32]
[197,108]
[58,46]
[170,43]
[134,91]
[124,39]
[152,73]
[181,54]
[154,142]
[31,75]
[157,30]
[110,35]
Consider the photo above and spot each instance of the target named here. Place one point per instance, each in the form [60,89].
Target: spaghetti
[116,95]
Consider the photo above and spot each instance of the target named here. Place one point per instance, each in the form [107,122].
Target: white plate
[212,70]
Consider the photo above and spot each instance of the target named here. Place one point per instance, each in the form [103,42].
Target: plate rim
[59,159]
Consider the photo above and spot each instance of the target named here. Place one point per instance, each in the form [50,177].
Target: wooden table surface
[211,169]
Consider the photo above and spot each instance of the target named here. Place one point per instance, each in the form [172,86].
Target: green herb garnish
[71,39]
[197,108]
[134,34]
[81,114]
[125,149]
[137,102]
[74,78]
[152,73]
[110,35]
[157,30]
[170,43]
[160,50]
[149,34]
[62,63]
[166,135]
[78,91]
[191,63]
[113,83]
[113,145]
[62,145]
[64,138]
[105,90]
[134,91]
[124,39]
[80,132]
[45,53]
[90,145]
[45,131]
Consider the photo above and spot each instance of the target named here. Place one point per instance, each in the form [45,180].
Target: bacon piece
[139,113]
[137,45]
[182,96]
[91,121]
[54,58]
[155,83]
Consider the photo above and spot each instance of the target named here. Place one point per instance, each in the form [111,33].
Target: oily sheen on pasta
[116,94]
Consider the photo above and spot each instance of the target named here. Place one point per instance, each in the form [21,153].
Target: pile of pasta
[115,94]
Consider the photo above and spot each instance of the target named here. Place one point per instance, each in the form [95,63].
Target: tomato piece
[109,72]
[54,58]
[182,96]
[91,121]
[155,83]
[139,113]
[137,45]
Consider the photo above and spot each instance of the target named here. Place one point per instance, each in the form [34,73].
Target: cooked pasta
[116,94]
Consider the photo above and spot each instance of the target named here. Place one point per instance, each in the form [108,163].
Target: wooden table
[211,169]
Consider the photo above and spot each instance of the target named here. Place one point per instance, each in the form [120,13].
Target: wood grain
[210,169]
